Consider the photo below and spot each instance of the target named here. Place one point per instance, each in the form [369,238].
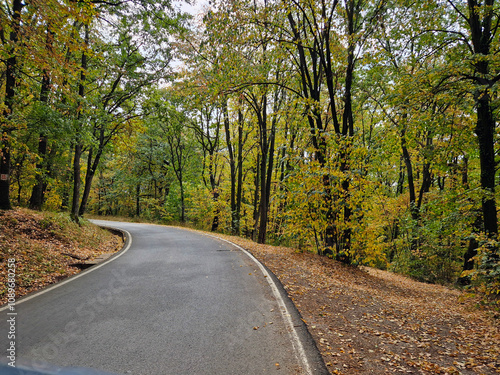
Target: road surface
[172,302]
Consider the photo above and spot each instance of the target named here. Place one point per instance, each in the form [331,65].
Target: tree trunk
[10,93]
[284,169]
[264,150]
[89,176]
[409,174]
[183,207]
[465,172]
[67,177]
[239,190]
[232,168]
[480,23]
[77,180]
[138,200]
[344,248]
[471,251]
[91,171]
[38,192]
[256,205]
[215,220]
[401,179]
[5,174]
[485,129]
[426,184]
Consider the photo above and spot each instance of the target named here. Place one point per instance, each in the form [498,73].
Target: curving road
[173,302]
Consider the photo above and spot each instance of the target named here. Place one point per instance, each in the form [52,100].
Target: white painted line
[91,269]
[287,317]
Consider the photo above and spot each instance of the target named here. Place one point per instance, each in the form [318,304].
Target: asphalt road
[173,302]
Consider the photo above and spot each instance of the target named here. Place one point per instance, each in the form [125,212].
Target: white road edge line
[296,343]
[86,272]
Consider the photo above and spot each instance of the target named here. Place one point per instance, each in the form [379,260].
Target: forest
[361,130]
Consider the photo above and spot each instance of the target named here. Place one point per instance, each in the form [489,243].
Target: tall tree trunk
[176,147]
[344,245]
[269,174]
[77,180]
[426,184]
[480,23]
[465,172]
[138,200]
[268,168]
[485,129]
[89,176]
[264,150]
[409,174]
[68,176]
[10,93]
[183,206]
[5,172]
[215,220]
[215,194]
[256,205]
[239,190]
[401,179]
[232,167]
[91,171]
[284,169]
[38,192]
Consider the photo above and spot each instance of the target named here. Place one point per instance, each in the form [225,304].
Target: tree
[48,21]
[318,51]
[479,20]
[78,146]
[11,81]
[207,131]
[235,156]
[168,122]
[132,61]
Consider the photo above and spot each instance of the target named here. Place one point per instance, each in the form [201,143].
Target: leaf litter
[47,248]
[369,321]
